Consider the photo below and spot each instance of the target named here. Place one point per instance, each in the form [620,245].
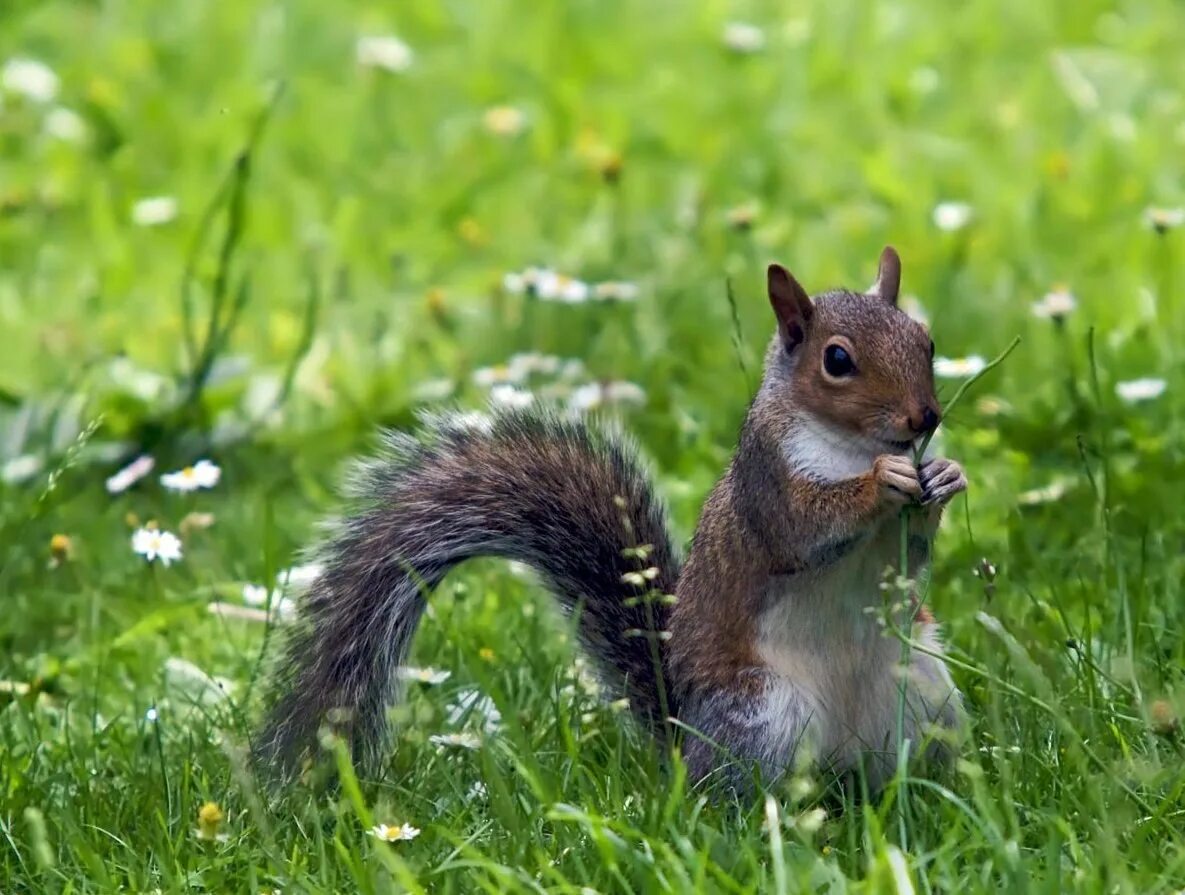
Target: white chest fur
[823,642]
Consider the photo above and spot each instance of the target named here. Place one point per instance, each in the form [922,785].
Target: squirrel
[761,648]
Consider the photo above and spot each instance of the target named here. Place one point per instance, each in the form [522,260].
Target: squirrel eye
[837,362]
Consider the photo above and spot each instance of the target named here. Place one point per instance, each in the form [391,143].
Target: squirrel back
[568,499]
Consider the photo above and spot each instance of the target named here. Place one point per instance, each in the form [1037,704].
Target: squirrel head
[856,363]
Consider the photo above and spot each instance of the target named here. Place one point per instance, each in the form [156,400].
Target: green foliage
[356,275]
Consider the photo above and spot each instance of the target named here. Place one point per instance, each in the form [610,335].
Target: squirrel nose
[926,422]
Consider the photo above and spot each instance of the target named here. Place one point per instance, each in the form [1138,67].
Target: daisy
[741,217]
[255,594]
[184,676]
[202,474]
[616,290]
[562,288]
[958,367]
[154,211]
[520,366]
[1162,219]
[596,394]
[154,544]
[527,281]
[430,676]
[393,833]
[504,121]
[472,704]
[456,740]
[61,549]
[195,521]
[1054,491]
[21,469]
[509,396]
[741,37]
[1135,390]
[622,392]
[951,216]
[130,474]
[500,374]
[65,124]
[210,818]
[476,792]
[300,576]
[30,78]
[385,51]
[1055,304]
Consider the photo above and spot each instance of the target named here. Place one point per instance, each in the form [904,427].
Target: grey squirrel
[767,655]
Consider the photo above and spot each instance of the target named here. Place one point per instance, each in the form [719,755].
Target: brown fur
[765,518]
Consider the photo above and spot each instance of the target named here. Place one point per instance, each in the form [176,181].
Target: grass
[359,279]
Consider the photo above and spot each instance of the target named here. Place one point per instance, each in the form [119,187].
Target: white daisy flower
[742,217]
[130,474]
[742,37]
[951,216]
[596,394]
[622,392]
[202,474]
[1054,491]
[1136,390]
[504,121]
[1056,304]
[21,469]
[154,211]
[509,396]
[501,374]
[456,740]
[565,289]
[471,704]
[476,792]
[144,385]
[30,78]
[1162,219]
[385,51]
[258,595]
[520,366]
[301,576]
[958,367]
[65,124]
[527,281]
[182,675]
[255,594]
[431,676]
[616,290]
[394,833]
[154,544]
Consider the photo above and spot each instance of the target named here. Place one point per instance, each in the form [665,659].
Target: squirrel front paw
[898,480]
[941,480]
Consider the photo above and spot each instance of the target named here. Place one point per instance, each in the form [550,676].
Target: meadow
[253,233]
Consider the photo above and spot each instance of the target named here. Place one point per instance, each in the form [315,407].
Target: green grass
[380,202]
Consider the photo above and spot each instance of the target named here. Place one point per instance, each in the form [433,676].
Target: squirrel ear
[792,306]
[888,276]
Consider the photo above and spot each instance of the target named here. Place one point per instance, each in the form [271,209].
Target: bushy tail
[558,495]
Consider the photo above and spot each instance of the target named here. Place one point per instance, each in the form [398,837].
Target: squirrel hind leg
[749,735]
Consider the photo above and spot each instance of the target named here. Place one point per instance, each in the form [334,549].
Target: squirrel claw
[941,480]
[898,480]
